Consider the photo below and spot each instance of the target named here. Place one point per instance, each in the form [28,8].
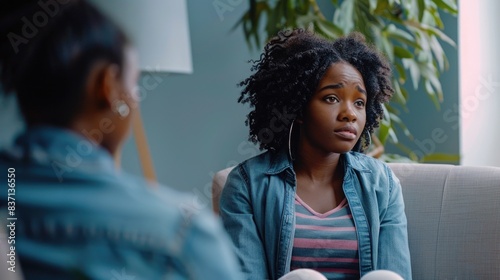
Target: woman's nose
[347,114]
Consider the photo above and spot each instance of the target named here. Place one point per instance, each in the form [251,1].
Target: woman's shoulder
[363,161]
[369,166]
[375,169]
[258,163]
[269,162]
[261,160]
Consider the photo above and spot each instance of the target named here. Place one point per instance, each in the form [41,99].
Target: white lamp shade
[159,30]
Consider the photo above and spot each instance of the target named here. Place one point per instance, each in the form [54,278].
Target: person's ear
[110,85]
[104,85]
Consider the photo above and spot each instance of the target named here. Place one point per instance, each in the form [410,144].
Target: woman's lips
[347,132]
[348,135]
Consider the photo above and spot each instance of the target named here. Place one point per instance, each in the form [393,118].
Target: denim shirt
[78,217]
[258,211]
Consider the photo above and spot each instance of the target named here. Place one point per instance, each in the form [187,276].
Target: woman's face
[335,116]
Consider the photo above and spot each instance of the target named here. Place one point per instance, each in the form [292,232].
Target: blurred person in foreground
[74,73]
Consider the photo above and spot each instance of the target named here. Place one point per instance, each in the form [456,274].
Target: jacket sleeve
[394,253]
[237,215]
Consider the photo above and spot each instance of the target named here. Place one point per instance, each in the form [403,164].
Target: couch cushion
[423,187]
[453,220]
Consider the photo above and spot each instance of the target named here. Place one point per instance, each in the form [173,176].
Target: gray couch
[453,219]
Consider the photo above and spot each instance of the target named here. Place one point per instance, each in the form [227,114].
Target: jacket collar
[356,161]
[280,161]
[47,145]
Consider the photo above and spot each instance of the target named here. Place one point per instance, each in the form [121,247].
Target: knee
[381,275]
[303,274]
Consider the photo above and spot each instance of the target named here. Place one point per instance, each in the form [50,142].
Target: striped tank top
[326,242]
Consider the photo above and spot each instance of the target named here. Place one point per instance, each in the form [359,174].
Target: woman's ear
[110,86]
[103,85]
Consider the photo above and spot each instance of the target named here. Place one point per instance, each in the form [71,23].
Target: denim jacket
[78,217]
[258,212]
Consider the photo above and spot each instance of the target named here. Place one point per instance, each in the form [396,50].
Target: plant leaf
[421,9]
[373,5]
[402,52]
[403,36]
[438,53]
[383,131]
[440,34]
[432,94]
[398,95]
[447,5]
[401,72]
[343,16]
[328,29]
[412,66]
[441,158]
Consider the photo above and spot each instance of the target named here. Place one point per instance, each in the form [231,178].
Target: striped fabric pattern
[326,242]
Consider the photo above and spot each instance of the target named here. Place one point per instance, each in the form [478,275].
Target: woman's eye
[360,103]
[331,99]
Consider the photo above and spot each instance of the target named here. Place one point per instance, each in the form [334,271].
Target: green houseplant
[408,32]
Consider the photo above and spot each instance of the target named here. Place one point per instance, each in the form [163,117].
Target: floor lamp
[160,31]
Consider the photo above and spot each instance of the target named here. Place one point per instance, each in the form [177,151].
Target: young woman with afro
[314,199]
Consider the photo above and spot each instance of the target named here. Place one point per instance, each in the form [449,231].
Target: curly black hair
[288,73]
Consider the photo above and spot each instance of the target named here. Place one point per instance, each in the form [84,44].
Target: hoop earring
[290,141]
[369,139]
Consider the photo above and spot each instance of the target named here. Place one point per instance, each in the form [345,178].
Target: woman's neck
[317,166]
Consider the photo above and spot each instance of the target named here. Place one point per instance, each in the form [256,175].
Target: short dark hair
[48,69]
[288,73]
